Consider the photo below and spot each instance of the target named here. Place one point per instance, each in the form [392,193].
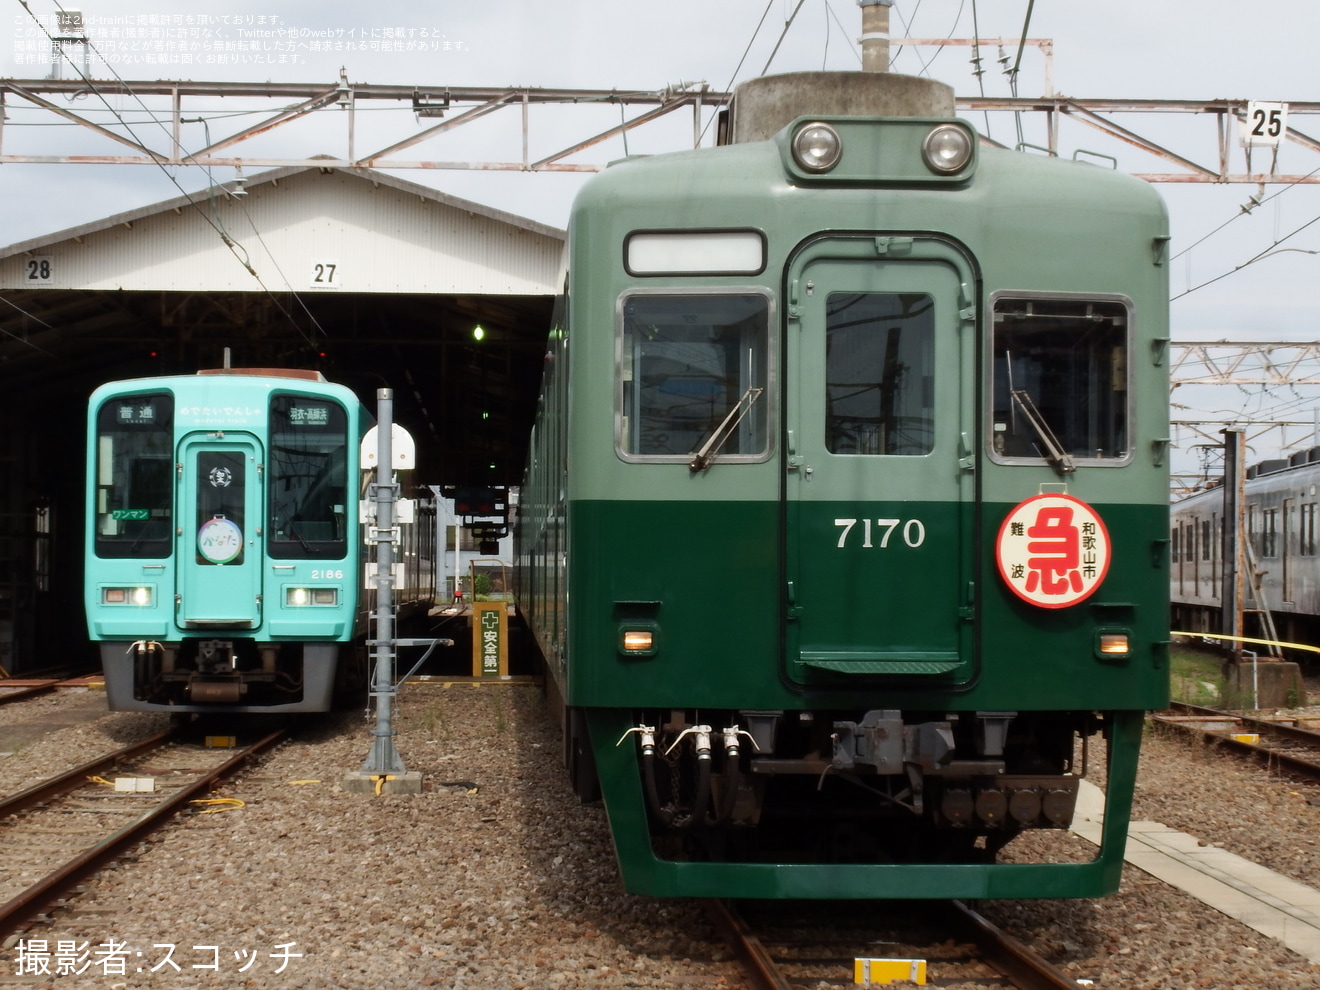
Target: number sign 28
[38,269]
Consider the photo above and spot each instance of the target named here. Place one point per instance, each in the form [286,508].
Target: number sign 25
[1265,124]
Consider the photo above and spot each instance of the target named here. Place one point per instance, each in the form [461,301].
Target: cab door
[219,519]
[879,480]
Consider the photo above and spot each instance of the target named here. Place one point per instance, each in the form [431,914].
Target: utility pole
[1230,596]
[384,758]
[383,771]
[875,34]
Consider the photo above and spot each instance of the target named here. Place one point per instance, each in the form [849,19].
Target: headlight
[126,596]
[947,149]
[816,147]
[298,597]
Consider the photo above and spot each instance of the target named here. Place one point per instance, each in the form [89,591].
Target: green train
[844,533]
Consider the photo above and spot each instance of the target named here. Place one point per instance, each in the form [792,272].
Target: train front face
[867,510]
[222,549]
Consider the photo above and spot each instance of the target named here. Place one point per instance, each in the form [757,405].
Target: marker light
[947,149]
[816,147]
[1113,643]
[126,596]
[636,640]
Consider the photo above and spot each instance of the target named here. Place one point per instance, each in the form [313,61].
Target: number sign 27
[325,275]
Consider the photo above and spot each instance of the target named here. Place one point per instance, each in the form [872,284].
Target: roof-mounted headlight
[816,147]
[947,149]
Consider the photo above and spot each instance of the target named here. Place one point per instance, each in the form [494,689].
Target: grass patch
[1194,675]
[434,718]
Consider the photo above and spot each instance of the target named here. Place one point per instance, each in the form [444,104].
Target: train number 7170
[914,531]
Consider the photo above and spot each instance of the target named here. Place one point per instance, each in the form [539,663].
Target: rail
[998,951]
[25,905]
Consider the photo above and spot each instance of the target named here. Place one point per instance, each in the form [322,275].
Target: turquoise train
[225,557]
[844,532]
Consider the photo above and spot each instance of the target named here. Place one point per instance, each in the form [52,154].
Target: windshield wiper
[702,458]
[293,528]
[1054,452]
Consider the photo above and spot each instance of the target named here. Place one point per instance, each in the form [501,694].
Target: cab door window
[879,373]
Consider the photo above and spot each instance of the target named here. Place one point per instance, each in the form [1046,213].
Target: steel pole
[384,758]
[1230,595]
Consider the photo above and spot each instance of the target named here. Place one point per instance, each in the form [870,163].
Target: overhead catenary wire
[829,7]
[782,35]
[1271,249]
[738,68]
[225,239]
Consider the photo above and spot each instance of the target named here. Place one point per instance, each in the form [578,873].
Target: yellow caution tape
[1247,639]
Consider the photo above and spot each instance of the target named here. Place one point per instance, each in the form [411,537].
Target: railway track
[62,830]
[1282,743]
[794,946]
[33,689]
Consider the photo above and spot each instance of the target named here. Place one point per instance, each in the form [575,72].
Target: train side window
[1205,539]
[879,373]
[1306,536]
[307,474]
[1067,358]
[135,476]
[689,365]
[1269,543]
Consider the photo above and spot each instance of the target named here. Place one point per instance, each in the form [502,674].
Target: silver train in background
[1279,522]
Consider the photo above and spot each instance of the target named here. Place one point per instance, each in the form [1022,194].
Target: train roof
[1266,469]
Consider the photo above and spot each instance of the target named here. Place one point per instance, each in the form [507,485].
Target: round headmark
[219,540]
[1053,550]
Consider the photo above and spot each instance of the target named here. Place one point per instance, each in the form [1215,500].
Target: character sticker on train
[1053,550]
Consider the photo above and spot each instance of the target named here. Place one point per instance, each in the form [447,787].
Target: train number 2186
[914,531]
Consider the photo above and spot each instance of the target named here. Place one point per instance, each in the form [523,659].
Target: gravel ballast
[495,876]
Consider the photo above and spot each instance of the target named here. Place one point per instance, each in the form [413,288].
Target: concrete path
[1272,904]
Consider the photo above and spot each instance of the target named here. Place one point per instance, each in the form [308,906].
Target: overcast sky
[1176,49]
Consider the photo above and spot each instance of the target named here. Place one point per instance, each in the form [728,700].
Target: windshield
[135,476]
[690,364]
[1060,376]
[308,477]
